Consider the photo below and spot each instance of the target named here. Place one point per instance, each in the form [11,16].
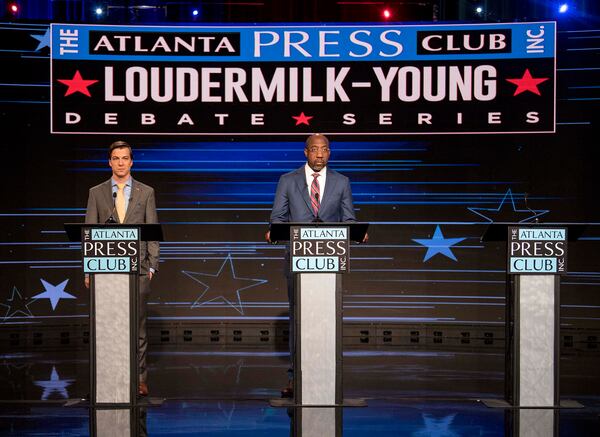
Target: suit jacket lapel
[302,187]
[329,189]
[108,198]
[133,199]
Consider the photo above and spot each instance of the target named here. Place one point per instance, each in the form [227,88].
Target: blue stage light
[479,9]
[99,11]
[195,12]
[564,7]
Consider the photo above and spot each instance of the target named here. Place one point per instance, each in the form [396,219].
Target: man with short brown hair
[122,199]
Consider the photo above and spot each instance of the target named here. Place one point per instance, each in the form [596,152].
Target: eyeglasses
[317,149]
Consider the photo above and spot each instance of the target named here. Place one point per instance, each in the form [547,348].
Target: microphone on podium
[111,218]
[537,219]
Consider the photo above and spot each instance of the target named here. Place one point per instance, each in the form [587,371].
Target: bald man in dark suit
[313,192]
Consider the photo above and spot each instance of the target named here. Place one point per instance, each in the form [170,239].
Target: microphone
[111,218]
[537,219]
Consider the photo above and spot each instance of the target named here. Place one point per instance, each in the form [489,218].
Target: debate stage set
[300,218]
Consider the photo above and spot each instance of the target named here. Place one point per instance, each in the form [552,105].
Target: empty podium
[536,258]
[319,254]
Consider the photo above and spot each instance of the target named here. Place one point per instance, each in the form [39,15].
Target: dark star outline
[19,309]
[198,302]
[536,212]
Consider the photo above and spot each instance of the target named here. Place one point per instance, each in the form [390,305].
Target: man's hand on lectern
[366,239]
[268,237]
[86,281]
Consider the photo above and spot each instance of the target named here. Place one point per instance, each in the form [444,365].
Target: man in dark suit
[125,200]
[313,192]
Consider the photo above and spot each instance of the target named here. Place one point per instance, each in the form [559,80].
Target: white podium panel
[536,423]
[318,422]
[537,341]
[112,356]
[112,423]
[317,339]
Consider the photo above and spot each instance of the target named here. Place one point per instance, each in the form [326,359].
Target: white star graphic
[54,292]
[223,285]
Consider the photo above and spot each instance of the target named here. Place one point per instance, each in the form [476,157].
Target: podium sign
[538,251]
[319,249]
[110,250]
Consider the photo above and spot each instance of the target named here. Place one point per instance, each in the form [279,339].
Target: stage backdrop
[439,134]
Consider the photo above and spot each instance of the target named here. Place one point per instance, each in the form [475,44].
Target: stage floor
[426,418]
[224,392]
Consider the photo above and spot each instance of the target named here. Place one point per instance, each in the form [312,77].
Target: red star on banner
[527,83]
[302,119]
[77,85]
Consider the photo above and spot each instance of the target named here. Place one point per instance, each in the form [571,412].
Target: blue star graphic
[223,285]
[43,39]
[434,426]
[504,213]
[54,384]
[438,244]
[16,304]
[54,292]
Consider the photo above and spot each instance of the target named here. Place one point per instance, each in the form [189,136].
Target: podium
[319,255]
[536,257]
[310,422]
[111,255]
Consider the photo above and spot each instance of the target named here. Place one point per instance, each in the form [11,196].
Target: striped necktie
[314,194]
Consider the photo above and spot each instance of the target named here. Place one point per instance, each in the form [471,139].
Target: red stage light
[386,14]
[13,8]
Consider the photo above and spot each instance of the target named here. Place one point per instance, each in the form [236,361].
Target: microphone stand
[111,218]
[537,219]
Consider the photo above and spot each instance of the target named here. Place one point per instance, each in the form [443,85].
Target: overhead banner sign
[286,80]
